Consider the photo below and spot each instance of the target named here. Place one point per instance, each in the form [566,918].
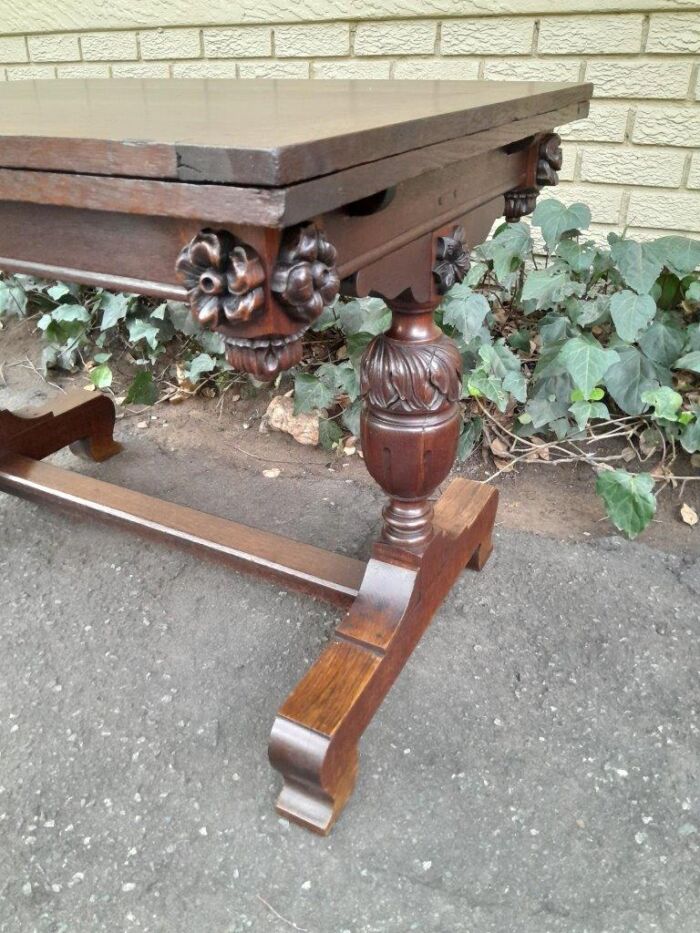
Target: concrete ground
[534,770]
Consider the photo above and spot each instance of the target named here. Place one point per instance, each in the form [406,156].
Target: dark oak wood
[250,132]
[257,202]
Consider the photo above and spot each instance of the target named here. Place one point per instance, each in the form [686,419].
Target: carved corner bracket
[224,278]
[452,260]
[521,201]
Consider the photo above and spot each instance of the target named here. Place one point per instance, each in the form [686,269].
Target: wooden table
[258,202]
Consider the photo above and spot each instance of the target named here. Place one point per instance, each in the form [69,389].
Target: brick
[605,123]
[590,35]
[667,126]
[624,166]
[454,69]
[141,70]
[109,46]
[243,42]
[396,38]
[604,201]
[661,79]
[82,70]
[676,32]
[532,69]
[54,48]
[170,43]
[349,69]
[273,69]
[694,176]
[204,69]
[489,36]
[674,211]
[648,234]
[13,49]
[30,72]
[566,172]
[325,39]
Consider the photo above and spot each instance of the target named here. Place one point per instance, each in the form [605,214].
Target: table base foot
[316,733]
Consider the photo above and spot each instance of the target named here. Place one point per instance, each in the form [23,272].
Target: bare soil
[553,500]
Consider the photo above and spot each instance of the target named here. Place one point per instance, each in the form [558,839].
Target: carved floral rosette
[305,278]
[522,201]
[411,378]
[452,260]
[223,278]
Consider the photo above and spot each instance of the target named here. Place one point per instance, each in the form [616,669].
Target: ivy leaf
[555,219]
[690,436]
[143,390]
[691,362]
[629,500]
[476,273]
[199,366]
[101,376]
[341,377]
[465,310]
[357,344]
[114,307]
[639,264]
[13,299]
[351,417]
[469,437]
[507,250]
[588,311]
[364,315]
[311,393]
[578,256]
[482,383]
[629,378]
[586,362]
[329,434]
[631,314]
[548,288]
[678,253]
[183,320]
[663,341]
[666,402]
[70,313]
[584,412]
[140,329]
[692,292]
[326,319]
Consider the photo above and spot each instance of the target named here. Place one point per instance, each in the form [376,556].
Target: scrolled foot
[319,777]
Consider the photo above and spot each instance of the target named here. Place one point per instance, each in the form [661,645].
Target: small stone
[306,886]
[128,886]
[639,838]
[272,474]
[427,865]
[27,889]
[203,831]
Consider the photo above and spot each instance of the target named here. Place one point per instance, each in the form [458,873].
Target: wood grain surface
[261,132]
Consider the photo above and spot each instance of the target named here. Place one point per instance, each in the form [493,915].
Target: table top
[260,132]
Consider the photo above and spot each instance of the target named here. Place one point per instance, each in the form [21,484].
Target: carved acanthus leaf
[452,260]
[411,377]
[223,278]
[305,278]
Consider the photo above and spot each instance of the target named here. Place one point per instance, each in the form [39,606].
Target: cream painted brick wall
[244,42]
[646,79]
[170,43]
[625,166]
[109,46]
[54,48]
[590,35]
[670,126]
[677,33]
[635,159]
[13,49]
[497,36]
[663,209]
[532,69]
[305,41]
[395,38]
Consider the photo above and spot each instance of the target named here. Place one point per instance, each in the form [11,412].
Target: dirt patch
[554,500]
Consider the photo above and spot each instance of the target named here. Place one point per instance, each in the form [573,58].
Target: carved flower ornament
[550,161]
[223,277]
[452,260]
[305,277]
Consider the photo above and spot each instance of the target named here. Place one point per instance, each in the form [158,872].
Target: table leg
[411,381]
